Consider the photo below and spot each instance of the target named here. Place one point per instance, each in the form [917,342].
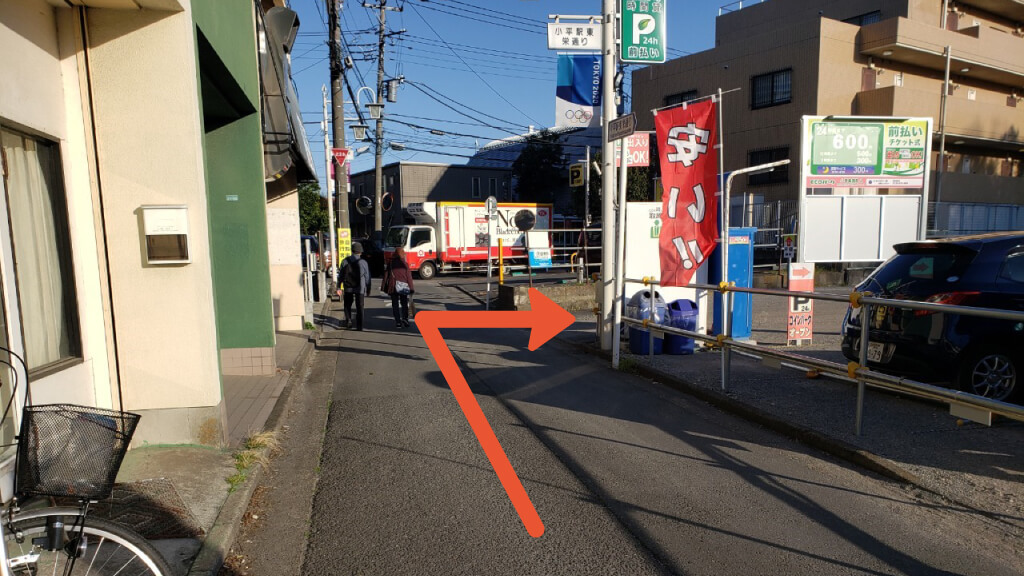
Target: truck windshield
[397,237]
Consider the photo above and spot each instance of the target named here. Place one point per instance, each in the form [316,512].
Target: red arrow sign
[545,320]
[801,272]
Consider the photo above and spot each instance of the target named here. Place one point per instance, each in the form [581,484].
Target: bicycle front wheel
[102,548]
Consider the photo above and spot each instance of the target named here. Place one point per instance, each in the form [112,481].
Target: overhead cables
[499,94]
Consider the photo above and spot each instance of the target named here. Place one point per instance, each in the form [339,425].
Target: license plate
[876,351]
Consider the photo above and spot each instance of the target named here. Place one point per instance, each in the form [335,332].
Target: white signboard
[865,186]
[638,151]
[643,225]
[585,36]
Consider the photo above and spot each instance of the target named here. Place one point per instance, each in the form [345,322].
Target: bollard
[501,263]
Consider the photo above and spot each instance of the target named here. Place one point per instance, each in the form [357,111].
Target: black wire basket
[71,451]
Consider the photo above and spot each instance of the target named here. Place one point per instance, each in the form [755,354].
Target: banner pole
[723,209]
[620,262]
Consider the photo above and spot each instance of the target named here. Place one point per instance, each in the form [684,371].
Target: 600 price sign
[846,148]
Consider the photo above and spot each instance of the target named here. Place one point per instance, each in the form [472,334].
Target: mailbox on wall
[166,233]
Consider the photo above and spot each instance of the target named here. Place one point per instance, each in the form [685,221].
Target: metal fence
[960,218]
[967,405]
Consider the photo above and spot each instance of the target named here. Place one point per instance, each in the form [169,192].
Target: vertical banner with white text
[578,91]
[687,137]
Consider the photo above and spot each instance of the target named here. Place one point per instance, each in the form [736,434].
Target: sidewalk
[178,496]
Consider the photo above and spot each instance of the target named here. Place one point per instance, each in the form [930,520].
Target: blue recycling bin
[641,307]
[682,314]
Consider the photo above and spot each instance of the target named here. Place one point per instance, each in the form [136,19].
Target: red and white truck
[452,236]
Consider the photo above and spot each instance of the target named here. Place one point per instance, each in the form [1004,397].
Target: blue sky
[475,70]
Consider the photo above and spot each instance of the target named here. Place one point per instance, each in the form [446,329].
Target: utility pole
[609,298]
[378,176]
[338,123]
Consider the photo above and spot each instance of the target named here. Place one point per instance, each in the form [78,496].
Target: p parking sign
[643,31]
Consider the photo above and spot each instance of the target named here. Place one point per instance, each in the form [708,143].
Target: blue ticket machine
[741,271]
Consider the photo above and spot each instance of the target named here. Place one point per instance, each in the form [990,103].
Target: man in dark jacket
[355,279]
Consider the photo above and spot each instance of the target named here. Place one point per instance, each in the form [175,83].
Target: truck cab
[420,248]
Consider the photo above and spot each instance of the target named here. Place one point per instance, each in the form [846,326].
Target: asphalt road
[628,477]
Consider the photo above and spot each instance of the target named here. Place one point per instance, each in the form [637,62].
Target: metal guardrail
[853,371]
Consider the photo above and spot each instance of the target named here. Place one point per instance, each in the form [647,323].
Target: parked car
[977,355]
[373,253]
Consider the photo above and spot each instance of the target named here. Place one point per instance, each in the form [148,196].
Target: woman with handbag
[397,283]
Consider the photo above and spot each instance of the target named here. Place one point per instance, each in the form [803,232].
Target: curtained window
[42,249]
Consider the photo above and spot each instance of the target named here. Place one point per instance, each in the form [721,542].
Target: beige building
[790,58]
[135,248]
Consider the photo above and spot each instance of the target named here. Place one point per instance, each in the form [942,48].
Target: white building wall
[40,95]
[149,132]
[286,286]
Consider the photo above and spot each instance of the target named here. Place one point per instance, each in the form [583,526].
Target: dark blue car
[981,356]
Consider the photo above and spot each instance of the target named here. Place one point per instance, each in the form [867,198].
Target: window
[681,97]
[1013,268]
[42,248]
[771,89]
[476,187]
[418,238]
[492,187]
[865,19]
[779,175]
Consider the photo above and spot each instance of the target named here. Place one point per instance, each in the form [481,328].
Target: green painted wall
[233,150]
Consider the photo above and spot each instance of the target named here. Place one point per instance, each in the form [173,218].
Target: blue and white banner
[578,91]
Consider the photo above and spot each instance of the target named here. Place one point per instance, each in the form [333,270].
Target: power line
[479,8]
[504,23]
[499,94]
[534,78]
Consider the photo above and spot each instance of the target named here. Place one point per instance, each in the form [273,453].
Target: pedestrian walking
[397,283]
[355,279]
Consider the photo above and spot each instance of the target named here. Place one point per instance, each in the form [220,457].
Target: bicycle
[68,451]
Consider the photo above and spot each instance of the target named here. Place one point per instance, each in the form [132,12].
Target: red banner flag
[687,138]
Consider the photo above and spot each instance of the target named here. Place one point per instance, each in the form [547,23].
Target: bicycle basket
[73,451]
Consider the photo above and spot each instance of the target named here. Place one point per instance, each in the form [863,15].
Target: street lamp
[359,131]
[375,110]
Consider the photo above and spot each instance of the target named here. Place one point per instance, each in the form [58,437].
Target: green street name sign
[642,31]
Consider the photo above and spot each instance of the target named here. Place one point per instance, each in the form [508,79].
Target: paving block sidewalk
[179,496]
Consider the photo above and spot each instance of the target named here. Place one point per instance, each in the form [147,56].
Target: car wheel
[427,270]
[991,372]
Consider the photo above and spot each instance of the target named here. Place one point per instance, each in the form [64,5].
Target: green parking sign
[642,31]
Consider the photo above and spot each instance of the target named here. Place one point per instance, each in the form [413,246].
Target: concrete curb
[228,525]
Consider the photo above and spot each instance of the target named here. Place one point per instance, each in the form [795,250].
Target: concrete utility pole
[607,175]
[378,176]
[338,123]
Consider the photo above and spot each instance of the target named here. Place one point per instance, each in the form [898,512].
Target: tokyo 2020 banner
[578,91]
[687,138]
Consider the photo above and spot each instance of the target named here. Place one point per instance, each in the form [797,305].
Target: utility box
[741,271]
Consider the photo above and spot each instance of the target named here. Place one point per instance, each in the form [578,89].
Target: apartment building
[790,58]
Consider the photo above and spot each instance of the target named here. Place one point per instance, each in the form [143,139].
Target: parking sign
[643,31]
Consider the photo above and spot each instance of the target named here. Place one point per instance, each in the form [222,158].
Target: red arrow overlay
[545,320]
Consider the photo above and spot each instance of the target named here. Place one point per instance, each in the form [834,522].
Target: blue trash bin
[682,314]
[640,308]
